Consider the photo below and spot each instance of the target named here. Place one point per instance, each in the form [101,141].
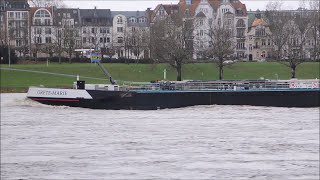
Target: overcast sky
[133,5]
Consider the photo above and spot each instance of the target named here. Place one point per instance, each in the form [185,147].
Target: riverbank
[17,81]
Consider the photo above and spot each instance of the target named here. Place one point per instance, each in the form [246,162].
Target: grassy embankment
[15,81]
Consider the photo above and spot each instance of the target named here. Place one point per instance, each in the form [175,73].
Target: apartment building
[208,14]
[17,26]
[131,34]
[96,30]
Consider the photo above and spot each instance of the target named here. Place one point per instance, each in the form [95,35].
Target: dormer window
[142,20]
[120,21]
[161,12]
[187,12]
[133,20]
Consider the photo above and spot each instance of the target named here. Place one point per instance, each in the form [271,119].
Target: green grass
[146,72]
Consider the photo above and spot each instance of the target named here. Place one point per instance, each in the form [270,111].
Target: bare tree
[289,35]
[138,42]
[221,46]
[47,3]
[293,51]
[24,48]
[171,41]
[69,43]
[314,30]
[277,21]
[57,43]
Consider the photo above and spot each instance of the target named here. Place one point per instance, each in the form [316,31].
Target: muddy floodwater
[200,142]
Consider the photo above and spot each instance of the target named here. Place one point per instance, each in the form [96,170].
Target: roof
[259,21]
[129,13]
[252,17]
[95,13]
[136,14]
[169,8]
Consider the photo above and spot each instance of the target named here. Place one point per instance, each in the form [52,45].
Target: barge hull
[151,100]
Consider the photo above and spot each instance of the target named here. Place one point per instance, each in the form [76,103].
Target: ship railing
[221,85]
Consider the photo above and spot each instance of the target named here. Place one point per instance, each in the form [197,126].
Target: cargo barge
[166,94]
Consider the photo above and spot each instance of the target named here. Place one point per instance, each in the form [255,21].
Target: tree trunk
[70,57]
[220,72]
[36,56]
[24,57]
[59,57]
[293,71]
[179,69]
[221,69]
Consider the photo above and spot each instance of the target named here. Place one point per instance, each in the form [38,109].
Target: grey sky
[133,5]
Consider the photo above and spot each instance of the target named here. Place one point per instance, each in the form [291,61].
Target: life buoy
[292,85]
[315,85]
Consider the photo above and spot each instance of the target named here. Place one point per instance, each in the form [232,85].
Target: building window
[161,12]
[120,39]
[119,29]
[133,29]
[18,15]
[103,30]
[38,40]
[48,39]
[37,22]
[18,43]
[11,15]
[263,43]
[84,30]
[84,40]
[201,33]
[142,20]
[93,40]
[42,13]
[119,21]
[108,31]
[47,22]
[188,2]
[133,20]
[48,30]
[201,22]
[38,30]
[108,39]
[204,10]
[93,30]
[101,40]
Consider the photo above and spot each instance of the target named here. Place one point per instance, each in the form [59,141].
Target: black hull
[151,100]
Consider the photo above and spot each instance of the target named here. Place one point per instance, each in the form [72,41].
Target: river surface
[201,142]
